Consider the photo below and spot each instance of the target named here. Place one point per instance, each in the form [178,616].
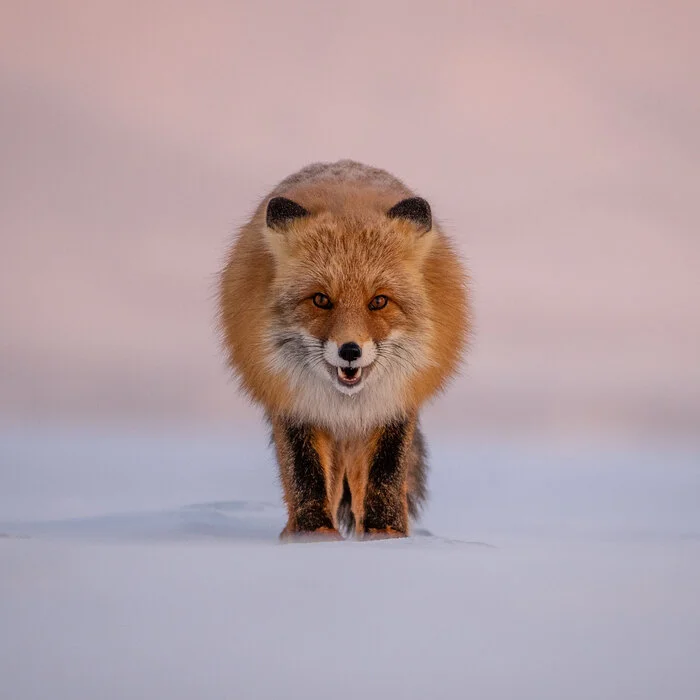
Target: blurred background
[558,143]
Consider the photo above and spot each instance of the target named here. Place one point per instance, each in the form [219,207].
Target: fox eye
[379,302]
[322,301]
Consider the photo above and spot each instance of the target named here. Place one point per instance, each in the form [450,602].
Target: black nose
[350,351]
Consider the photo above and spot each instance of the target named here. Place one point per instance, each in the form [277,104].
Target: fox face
[350,324]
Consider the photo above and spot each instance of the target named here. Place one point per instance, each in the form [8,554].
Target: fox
[343,309]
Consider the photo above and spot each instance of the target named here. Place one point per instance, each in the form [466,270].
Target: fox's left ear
[414,209]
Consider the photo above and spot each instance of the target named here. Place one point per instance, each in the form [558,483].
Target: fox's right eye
[322,301]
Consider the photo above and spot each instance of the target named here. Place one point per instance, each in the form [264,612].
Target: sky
[557,142]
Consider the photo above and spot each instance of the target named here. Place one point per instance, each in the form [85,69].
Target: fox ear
[280,211]
[416,210]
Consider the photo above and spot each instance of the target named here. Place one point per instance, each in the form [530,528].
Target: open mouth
[349,376]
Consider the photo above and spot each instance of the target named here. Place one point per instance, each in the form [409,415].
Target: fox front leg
[304,456]
[386,500]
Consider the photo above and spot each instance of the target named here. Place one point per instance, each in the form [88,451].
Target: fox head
[350,312]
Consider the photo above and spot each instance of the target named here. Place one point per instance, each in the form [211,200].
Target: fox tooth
[357,373]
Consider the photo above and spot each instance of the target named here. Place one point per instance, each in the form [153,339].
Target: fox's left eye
[322,301]
[379,302]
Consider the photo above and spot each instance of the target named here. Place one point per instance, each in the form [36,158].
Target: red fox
[343,309]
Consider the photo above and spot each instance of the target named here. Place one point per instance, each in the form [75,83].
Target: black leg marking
[384,506]
[309,481]
[417,474]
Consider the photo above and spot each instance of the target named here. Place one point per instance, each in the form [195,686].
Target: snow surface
[142,567]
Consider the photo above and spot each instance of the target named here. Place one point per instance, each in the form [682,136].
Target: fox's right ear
[281,211]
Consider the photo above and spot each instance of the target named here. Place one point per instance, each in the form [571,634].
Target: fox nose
[350,351]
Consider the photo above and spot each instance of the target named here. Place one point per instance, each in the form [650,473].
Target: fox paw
[385,533]
[321,534]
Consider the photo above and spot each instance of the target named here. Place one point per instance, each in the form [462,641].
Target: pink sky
[558,142]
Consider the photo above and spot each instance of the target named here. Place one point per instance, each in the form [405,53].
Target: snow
[144,567]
